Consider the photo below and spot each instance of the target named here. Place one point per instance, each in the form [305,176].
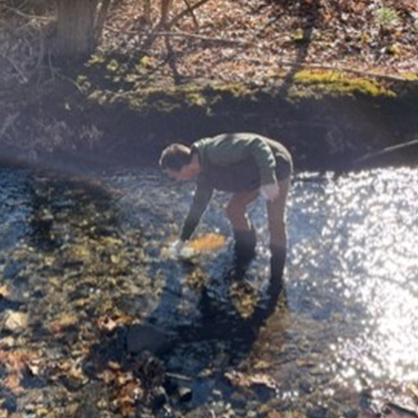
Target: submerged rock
[87,410]
[12,269]
[15,321]
[146,337]
[317,412]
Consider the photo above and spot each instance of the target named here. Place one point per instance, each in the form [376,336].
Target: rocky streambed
[98,321]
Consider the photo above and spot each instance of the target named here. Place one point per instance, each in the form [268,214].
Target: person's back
[236,162]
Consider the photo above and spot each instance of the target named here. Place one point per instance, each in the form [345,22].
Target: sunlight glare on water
[356,238]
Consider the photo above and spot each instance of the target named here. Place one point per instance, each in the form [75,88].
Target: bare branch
[196,23]
[27,16]
[165,9]
[206,38]
[8,123]
[185,12]
[15,67]
[147,11]
[188,35]
[101,18]
[166,25]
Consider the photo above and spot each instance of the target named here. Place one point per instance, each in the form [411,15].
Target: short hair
[175,156]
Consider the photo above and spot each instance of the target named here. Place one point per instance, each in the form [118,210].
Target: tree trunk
[147,12]
[165,10]
[76,27]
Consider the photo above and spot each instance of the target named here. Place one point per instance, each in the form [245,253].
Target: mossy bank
[110,114]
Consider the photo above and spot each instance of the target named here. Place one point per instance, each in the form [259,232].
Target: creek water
[81,257]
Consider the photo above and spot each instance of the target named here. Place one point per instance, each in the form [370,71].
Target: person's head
[180,162]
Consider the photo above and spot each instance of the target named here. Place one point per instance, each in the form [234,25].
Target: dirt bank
[327,119]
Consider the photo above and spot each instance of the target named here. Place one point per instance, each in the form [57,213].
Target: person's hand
[175,248]
[270,191]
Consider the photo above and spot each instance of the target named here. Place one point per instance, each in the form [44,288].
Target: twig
[69,80]
[189,35]
[147,11]
[25,15]
[104,9]
[196,23]
[385,151]
[179,377]
[8,123]
[171,59]
[15,67]
[51,67]
[165,9]
[205,38]
[41,57]
[190,9]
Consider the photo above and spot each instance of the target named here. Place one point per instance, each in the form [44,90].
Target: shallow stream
[82,261]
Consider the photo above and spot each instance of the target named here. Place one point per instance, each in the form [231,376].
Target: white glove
[175,248]
[270,191]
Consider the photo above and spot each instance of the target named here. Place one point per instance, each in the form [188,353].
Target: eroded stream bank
[95,118]
[83,263]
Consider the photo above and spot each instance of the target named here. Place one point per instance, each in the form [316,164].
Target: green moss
[144,63]
[99,96]
[408,75]
[168,98]
[235,88]
[335,83]
[95,59]
[112,66]
[163,96]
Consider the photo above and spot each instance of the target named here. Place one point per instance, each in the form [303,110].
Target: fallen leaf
[65,321]
[107,376]
[76,371]
[262,365]
[245,380]
[130,392]
[207,242]
[113,365]
[107,324]
[413,389]
[127,409]
[4,291]
[12,382]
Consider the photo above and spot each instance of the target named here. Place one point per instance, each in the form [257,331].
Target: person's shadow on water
[219,319]
[179,355]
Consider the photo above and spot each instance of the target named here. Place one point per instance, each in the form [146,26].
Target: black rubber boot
[277,263]
[244,249]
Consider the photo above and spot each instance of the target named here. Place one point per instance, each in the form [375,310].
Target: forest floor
[259,43]
[253,41]
[226,40]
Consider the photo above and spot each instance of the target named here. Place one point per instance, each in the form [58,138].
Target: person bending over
[244,164]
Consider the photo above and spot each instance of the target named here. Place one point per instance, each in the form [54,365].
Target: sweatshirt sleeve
[235,149]
[201,200]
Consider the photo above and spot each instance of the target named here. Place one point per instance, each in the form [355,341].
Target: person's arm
[201,200]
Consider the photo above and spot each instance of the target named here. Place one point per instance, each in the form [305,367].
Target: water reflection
[361,232]
[84,258]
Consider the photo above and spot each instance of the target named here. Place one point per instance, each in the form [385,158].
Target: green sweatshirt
[235,162]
